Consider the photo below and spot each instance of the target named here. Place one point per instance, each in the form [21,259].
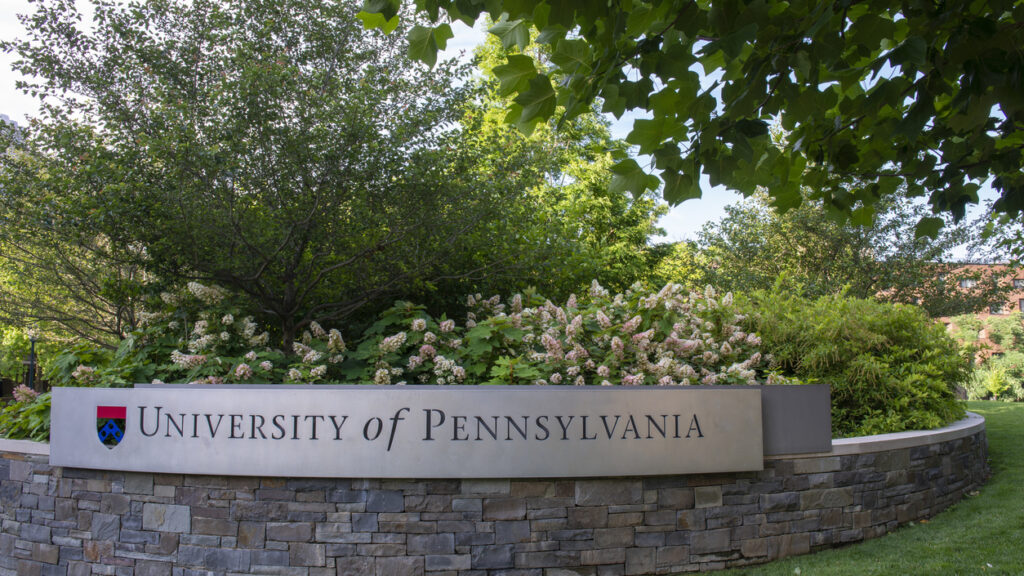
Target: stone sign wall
[74,522]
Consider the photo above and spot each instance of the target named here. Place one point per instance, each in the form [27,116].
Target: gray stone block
[251,534]
[300,554]
[511,532]
[166,518]
[550,559]
[412,566]
[609,492]
[227,560]
[467,504]
[640,560]
[786,501]
[707,496]
[385,501]
[151,568]
[424,544]
[492,557]
[138,483]
[290,531]
[710,541]
[504,509]
[614,537]
[448,562]
[487,487]
[355,566]
[364,522]
[603,556]
[268,557]
[35,533]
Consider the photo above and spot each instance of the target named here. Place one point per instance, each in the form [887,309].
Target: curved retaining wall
[75,522]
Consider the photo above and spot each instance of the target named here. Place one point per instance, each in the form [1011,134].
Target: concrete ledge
[24,447]
[968,426]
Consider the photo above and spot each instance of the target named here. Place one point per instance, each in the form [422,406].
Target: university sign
[408,432]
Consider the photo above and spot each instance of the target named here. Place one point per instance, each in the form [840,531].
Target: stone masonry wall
[72,522]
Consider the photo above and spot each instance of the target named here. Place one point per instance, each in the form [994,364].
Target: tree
[580,229]
[926,96]
[806,250]
[285,153]
[53,280]
[274,148]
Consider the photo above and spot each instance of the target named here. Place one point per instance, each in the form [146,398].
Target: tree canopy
[283,152]
[807,253]
[922,95]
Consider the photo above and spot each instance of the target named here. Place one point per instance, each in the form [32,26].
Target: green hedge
[891,368]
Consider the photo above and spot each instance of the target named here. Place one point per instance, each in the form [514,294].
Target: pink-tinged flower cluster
[623,338]
[24,394]
[335,343]
[392,343]
[317,330]
[187,361]
[243,371]
[207,294]
[84,374]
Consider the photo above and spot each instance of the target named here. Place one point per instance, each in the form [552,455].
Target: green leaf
[573,56]
[514,33]
[442,34]
[928,227]
[387,8]
[647,134]
[515,75]
[538,101]
[422,46]
[627,176]
[679,187]
[373,20]
[614,103]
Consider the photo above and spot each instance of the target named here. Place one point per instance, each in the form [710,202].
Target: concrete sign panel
[408,432]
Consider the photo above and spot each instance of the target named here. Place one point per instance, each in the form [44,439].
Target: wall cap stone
[24,447]
[968,426]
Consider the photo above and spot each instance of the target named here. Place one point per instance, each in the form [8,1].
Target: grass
[983,534]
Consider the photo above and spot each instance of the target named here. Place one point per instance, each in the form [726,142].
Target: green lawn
[983,534]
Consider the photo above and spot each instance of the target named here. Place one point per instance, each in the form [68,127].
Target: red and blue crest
[110,424]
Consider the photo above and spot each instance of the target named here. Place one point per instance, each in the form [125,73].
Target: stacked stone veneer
[75,522]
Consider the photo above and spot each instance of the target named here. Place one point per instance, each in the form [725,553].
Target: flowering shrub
[638,338]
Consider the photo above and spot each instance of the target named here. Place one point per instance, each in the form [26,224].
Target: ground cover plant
[979,535]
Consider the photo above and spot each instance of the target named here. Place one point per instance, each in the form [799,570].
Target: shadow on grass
[982,534]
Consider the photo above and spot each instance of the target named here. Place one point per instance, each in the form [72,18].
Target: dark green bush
[891,368]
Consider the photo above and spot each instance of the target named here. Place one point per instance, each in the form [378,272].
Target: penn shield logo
[110,424]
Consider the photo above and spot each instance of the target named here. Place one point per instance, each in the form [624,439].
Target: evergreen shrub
[891,368]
